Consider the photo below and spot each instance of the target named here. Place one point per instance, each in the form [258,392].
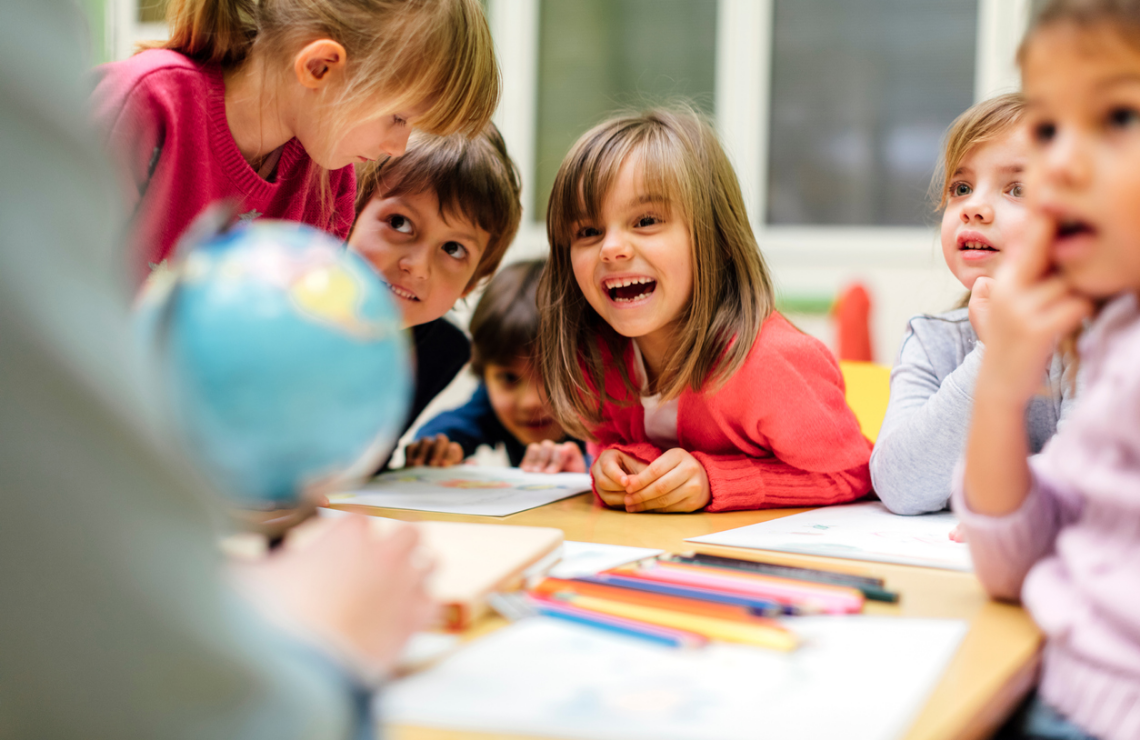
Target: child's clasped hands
[674,482]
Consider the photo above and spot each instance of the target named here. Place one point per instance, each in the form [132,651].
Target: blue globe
[284,360]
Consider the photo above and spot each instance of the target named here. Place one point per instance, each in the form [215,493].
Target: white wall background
[902,267]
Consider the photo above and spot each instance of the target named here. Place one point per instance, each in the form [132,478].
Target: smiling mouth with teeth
[400,292]
[981,246]
[628,290]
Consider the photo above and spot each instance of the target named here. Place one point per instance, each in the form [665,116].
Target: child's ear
[319,62]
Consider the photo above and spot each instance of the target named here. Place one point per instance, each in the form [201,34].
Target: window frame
[743,98]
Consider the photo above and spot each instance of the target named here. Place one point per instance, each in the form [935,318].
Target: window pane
[152,11]
[862,91]
[596,56]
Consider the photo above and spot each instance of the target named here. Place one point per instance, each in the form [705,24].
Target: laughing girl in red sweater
[656,293]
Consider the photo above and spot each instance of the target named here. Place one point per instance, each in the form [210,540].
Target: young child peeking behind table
[659,339]
[1062,530]
[271,103]
[982,196]
[510,405]
[434,223]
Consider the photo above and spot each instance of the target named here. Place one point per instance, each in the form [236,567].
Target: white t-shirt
[660,418]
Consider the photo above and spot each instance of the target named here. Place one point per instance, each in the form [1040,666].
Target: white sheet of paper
[857,678]
[466,489]
[423,648]
[865,531]
[589,558]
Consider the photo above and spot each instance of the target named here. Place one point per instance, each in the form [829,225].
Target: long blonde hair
[409,52]
[681,159]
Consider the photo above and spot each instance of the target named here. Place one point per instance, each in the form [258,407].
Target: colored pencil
[621,625]
[772,636]
[553,587]
[872,588]
[829,599]
[762,607]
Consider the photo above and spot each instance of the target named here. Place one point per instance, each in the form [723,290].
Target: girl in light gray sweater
[932,384]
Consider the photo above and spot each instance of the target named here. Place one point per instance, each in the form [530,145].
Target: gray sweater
[928,416]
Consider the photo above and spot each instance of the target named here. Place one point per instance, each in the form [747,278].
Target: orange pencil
[554,586]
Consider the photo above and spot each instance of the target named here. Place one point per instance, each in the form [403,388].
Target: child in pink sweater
[271,104]
[1062,531]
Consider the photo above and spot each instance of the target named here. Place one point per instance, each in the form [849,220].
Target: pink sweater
[1072,551]
[163,117]
[777,433]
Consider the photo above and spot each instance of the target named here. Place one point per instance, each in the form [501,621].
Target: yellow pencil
[774,636]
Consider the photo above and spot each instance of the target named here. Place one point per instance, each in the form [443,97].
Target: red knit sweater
[163,116]
[777,433]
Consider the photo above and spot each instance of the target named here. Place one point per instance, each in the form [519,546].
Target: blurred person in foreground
[120,618]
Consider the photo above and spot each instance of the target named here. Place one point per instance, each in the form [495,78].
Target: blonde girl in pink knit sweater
[1062,531]
[272,104]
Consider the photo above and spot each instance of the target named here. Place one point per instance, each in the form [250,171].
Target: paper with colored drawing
[865,531]
[465,489]
[857,678]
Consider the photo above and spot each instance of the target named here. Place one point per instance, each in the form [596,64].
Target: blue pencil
[619,625]
[761,607]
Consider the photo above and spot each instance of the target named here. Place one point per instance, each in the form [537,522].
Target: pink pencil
[827,599]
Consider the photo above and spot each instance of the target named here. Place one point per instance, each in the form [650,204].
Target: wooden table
[994,667]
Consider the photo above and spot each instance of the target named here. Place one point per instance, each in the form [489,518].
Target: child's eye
[648,221]
[1123,117]
[958,189]
[400,223]
[587,232]
[507,379]
[399,121]
[455,249]
[1017,190]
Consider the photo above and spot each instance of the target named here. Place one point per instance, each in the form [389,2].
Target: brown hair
[681,159]
[981,123]
[505,324]
[474,179]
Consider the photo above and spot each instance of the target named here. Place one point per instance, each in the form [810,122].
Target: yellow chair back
[868,389]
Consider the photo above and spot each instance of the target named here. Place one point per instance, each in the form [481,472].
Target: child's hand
[348,586]
[957,534]
[610,471]
[548,457]
[1030,309]
[436,452]
[673,482]
[980,306]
